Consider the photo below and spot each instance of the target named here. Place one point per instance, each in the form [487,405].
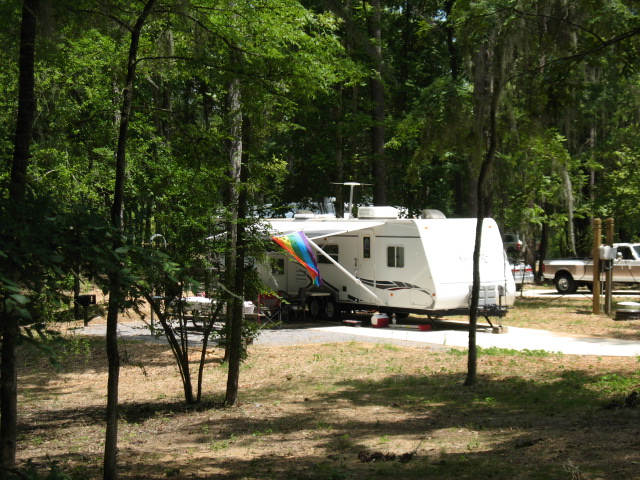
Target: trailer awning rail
[315,229]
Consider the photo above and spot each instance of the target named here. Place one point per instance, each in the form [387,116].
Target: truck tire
[565,284]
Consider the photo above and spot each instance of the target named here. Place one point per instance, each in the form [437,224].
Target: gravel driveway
[287,334]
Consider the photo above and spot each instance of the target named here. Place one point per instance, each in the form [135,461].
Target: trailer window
[331,250]
[277,266]
[395,257]
[366,247]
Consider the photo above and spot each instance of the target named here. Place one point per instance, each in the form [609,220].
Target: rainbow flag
[297,244]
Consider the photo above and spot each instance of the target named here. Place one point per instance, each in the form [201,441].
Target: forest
[138,134]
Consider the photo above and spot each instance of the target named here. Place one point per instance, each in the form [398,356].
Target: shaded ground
[346,410]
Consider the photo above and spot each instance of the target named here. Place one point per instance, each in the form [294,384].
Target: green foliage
[617,384]
[303,73]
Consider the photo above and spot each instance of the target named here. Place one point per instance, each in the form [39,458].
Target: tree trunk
[234,315]
[180,350]
[568,192]
[454,54]
[339,150]
[541,254]
[486,93]
[116,293]
[17,191]
[483,187]
[377,100]
[9,400]
[207,329]
[26,100]
[237,348]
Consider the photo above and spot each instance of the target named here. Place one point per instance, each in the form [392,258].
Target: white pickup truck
[570,273]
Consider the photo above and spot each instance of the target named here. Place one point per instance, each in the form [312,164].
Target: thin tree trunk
[234,316]
[207,329]
[483,180]
[180,350]
[115,286]
[454,54]
[487,93]
[26,100]
[17,191]
[339,150]
[541,253]
[378,114]
[568,192]
[9,400]
[237,348]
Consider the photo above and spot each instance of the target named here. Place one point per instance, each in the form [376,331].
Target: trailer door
[276,271]
[365,264]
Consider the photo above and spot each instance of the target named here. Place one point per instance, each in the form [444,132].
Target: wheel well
[563,273]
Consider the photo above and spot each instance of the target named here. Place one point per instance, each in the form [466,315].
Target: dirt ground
[344,411]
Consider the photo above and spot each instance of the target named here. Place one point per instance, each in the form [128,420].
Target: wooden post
[597,239]
[609,271]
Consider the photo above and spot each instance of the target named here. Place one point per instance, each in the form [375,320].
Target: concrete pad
[451,334]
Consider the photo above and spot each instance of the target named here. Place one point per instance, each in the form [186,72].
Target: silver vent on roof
[377,212]
[432,214]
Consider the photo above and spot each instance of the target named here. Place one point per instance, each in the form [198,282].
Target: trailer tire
[332,310]
[315,309]
[565,284]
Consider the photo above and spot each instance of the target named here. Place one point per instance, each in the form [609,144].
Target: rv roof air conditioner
[432,214]
[377,212]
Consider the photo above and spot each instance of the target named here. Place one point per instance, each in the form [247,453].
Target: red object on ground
[380,323]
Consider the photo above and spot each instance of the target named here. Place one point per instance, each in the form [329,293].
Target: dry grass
[347,411]
[571,315]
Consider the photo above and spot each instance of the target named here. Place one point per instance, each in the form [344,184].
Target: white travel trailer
[381,262]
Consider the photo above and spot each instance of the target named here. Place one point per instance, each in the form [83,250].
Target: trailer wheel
[565,283]
[332,310]
[315,309]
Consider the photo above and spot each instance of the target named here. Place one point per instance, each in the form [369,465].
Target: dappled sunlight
[318,410]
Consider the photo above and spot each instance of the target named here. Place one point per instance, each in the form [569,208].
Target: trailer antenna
[351,185]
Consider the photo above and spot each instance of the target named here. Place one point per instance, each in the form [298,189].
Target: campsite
[347,410]
[160,160]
